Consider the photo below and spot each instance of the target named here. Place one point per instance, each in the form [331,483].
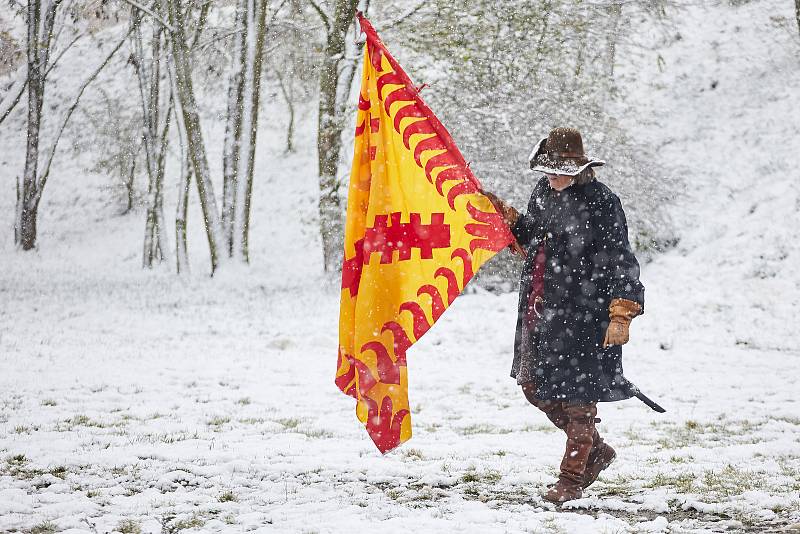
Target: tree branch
[6,109]
[68,114]
[197,46]
[201,24]
[404,18]
[61,53]
[8,105]
[321,14]
[150,12]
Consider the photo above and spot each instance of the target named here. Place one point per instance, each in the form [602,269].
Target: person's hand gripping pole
[510,216]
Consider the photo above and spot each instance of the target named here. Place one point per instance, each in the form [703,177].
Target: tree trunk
[242,125]
[252,65]
[27,207]
[797,13]
[40,35]
[287,96]
[540,44]
[194,137]
[154,136]
[181,247]
[181,209]
[580,28]
[329,132]
[41,26]
[26,224]
[233,127]
[156,200]
[615,14]
[129,186]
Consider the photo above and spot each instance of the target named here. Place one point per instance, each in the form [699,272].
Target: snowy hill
[176,403]
[724,113]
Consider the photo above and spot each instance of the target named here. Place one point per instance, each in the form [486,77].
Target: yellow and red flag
[417,230]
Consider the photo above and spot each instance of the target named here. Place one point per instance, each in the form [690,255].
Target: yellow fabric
[413,239]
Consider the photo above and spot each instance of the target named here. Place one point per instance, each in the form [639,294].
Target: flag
[417,230]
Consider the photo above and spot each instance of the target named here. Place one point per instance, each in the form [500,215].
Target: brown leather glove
[510,215]
[621,312]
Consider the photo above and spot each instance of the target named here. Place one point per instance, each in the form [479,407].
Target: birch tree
[184,184]
[195,145]
[335,79]
[42,22]
[242,125]
[227,231]
[147,59]
[40,34]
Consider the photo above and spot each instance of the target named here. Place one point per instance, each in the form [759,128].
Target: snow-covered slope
[725,114]
[209,404]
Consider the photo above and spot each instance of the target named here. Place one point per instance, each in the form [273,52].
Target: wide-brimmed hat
[561,152]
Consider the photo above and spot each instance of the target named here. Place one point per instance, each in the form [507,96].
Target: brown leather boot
[555,413]
[602,454]
[600,457]
[580,432]
[554,410]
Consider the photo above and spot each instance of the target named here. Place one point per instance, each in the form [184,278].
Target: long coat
[588,261]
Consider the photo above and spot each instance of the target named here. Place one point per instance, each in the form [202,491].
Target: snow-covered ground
[139,401]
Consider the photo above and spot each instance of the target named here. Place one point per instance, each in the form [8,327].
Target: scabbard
[650,402]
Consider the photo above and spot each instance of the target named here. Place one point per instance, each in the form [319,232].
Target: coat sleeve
[614,256]
[529,226]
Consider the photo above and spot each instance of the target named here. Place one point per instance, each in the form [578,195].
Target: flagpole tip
[360,27]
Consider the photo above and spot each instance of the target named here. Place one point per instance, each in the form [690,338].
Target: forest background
[166,104]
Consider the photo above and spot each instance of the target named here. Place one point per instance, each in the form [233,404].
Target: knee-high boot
[580,431]
[555,413]
[554,410]
[600,456]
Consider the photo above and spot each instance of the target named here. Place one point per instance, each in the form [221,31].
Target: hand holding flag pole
[510,216]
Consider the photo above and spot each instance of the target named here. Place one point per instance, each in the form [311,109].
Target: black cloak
[588,262]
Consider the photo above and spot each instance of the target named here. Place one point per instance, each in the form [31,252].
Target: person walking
[579,292]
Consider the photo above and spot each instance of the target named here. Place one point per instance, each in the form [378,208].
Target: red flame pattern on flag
[373,367]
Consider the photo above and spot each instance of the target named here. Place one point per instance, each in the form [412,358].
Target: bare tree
[334,88]
[195,145]
[233,131]
[41,25]
[171,50]
[40,35]
[185,179]
[241,126]
[295,70]
[251,66]
[147,60]
[113,132]
[184,183]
